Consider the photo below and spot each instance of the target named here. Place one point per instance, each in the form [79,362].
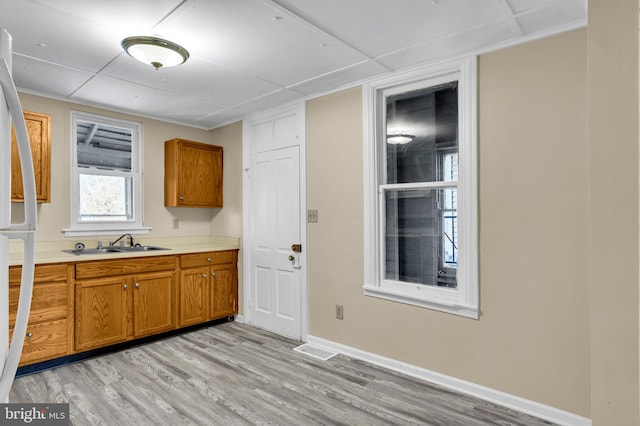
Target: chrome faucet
[129,238]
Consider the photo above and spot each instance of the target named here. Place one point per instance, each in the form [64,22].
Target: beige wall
[532,339]
[55,216]
[613,149]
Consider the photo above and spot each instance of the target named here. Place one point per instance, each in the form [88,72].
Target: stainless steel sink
[141,248]
[104,250]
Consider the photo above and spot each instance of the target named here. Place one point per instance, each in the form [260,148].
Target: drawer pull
[125,286]
[208,259]
[213,274]
[137,285]
[29,334]
[204,275]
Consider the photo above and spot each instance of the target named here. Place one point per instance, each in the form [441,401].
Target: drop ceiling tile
[552,15]
[184,110]
[379,27]
[78,34]
[46,78]
[457,44]
[257,39]
[195,78]
[518,6]
[272,100]
[145,101]
[341,78]
[264,103]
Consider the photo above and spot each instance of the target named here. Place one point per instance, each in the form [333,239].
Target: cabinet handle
[181,198]
[137,285]
[204,275]
[213,274]
[125,286]
[29,334]
[208,259]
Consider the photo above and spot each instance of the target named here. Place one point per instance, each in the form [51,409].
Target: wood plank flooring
[234,374]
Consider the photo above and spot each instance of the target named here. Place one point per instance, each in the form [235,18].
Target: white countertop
[52,251]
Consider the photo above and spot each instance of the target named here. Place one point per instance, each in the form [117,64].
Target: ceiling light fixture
[155,51]
[400,138]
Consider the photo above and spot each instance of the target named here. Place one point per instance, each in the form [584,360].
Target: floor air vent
[315,351]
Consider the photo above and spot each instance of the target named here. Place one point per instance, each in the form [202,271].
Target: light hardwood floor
[234,374]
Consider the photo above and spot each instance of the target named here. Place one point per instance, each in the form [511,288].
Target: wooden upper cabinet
[192,174]
[39,129]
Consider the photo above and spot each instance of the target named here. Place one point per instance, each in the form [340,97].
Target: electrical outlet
[339,312]
[175,224]
[312,216]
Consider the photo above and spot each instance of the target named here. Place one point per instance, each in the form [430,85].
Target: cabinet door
[200,177]
[193,174]
[193,295]
[153,303]
[223,291]
[39,129]
[102,311]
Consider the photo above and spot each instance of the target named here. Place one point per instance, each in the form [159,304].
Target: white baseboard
[239,318]
[533,408]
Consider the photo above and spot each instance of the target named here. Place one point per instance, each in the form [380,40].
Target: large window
[421,217]
[105,179]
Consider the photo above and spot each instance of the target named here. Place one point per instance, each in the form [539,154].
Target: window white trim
[107,228]
[464,299]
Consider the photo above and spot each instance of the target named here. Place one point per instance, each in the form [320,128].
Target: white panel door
[275,227]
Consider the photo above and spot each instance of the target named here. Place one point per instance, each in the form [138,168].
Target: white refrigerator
[11,111]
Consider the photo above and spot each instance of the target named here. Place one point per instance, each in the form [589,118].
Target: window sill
[102,231]
[423,302]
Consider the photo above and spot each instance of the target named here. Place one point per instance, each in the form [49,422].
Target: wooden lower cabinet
[193,295]
[118,300]
[50,328]
[208,286]
[115,309]
[102,312]
[153,298]
[223,294]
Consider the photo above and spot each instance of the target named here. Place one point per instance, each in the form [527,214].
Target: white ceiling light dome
[155,51]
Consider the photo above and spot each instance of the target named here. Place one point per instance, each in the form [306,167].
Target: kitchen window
[421,188]
[106,193]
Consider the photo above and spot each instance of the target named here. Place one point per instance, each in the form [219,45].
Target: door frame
[251,145]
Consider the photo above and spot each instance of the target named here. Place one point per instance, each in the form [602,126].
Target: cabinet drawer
[105,268]
[208,258]
[43,273]
[49,302]
[44,341]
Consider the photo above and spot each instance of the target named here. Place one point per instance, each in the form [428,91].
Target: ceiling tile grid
[250,55]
